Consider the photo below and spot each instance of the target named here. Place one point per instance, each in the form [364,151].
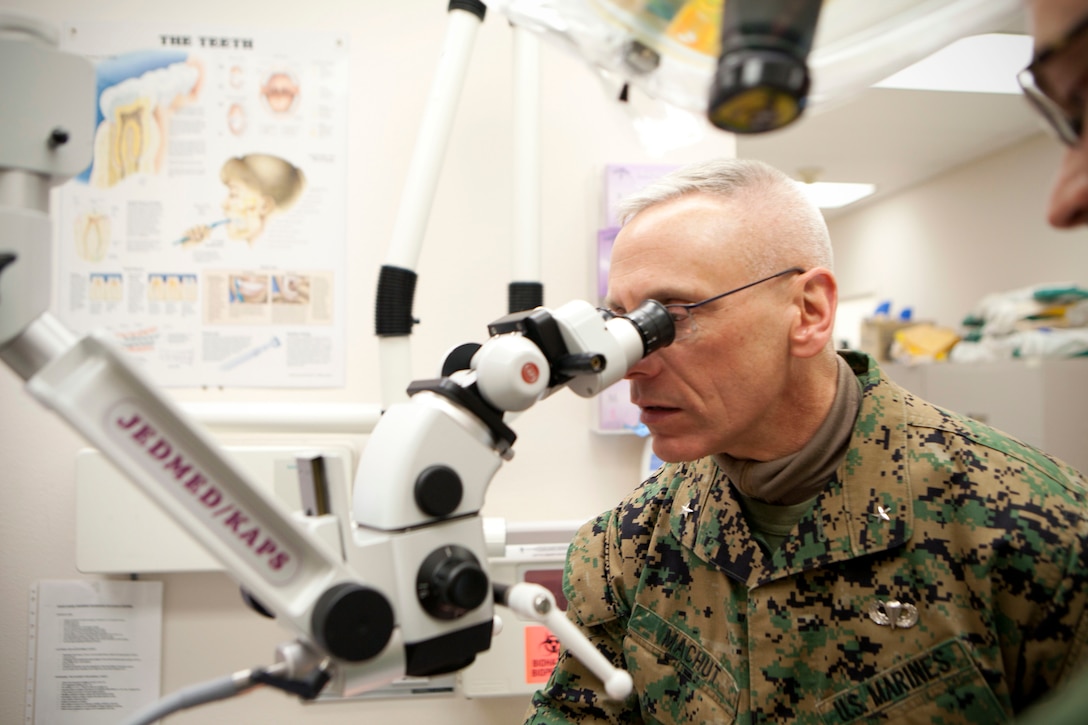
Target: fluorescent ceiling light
[832,195]
[977,64]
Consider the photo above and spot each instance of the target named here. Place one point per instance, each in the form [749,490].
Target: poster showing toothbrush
[207,234]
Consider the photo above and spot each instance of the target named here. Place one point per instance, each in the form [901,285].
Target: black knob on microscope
[451,582]
[352,622]
[438,491]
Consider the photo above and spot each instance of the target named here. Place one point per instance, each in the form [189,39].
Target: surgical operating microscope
[397,586]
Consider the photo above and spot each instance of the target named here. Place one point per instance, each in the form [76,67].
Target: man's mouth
[652,414]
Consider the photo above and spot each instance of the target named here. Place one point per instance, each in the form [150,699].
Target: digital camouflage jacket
[941,577]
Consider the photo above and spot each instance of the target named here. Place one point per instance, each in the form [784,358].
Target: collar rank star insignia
[893,613]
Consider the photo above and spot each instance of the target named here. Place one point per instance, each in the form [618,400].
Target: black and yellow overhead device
[762,80]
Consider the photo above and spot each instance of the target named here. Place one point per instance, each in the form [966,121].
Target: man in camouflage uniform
[822,547]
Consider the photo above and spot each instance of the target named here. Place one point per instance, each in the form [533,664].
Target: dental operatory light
[762,79]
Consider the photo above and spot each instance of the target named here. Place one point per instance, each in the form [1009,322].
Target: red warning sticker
[541,653]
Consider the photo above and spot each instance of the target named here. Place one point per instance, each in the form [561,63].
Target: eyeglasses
[683,316]
[1055,83]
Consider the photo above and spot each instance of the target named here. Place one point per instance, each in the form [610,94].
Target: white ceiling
[897,138]
[893,138]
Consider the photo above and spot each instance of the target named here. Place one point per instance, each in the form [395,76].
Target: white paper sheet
[95,651]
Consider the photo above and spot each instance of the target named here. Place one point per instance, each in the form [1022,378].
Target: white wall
[562,470]
[941,246]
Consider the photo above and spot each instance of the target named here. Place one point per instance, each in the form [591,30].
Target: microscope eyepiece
[654,325]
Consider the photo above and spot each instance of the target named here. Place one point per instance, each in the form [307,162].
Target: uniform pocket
[942,684]
[677,680]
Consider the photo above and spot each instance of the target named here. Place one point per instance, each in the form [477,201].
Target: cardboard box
[877,334]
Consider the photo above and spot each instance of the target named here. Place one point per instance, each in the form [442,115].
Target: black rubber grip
[393,310]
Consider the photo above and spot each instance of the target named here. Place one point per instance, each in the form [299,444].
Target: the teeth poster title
[204,41]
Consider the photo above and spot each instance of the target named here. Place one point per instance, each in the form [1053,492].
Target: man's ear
[816,302]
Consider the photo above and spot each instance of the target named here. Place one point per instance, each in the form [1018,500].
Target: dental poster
[207,234]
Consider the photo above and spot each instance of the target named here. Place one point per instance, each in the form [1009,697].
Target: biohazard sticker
[541,653]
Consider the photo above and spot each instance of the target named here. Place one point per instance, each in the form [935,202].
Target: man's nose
[646,367]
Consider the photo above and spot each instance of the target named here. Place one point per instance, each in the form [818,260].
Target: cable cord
[199,694]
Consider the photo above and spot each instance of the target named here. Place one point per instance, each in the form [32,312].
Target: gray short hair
[801,232]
